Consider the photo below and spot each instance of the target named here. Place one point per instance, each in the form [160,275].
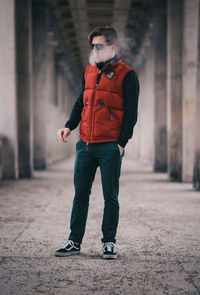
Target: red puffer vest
[102,114]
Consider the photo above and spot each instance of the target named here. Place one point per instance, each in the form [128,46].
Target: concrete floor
[158,238]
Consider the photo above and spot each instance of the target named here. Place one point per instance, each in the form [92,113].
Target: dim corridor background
[44,50]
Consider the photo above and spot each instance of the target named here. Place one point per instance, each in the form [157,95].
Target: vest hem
[93,140]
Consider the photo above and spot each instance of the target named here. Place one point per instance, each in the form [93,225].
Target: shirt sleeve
[75,116]
[131,90]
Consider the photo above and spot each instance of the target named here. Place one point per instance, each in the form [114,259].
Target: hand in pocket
[120,149]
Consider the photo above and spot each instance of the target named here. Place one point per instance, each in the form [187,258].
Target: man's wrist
[67,125]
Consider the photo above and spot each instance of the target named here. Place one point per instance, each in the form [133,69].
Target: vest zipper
[92,102]
[98,78]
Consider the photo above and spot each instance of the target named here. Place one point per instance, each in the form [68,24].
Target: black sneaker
[68,248]
[109,251]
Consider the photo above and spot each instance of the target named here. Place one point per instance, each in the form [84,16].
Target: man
[107,108]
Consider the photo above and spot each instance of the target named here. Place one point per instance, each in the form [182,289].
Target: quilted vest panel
[103,111]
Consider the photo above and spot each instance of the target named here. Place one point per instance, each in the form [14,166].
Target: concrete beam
[120,15]
[80,21]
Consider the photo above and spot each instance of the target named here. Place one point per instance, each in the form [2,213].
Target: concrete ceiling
[76,18]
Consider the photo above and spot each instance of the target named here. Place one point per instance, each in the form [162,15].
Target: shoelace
[68,242]
[109,246]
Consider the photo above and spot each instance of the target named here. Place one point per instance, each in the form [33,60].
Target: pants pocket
[122,155]
[78,144]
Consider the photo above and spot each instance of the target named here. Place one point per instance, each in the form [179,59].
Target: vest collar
[104,65]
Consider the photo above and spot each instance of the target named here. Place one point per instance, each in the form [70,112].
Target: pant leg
[84,173]
[110,166]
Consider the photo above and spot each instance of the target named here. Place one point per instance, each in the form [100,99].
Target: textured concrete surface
[158,238]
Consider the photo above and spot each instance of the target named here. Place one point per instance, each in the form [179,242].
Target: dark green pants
[106,155]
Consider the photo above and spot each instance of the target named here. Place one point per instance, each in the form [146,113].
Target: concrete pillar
[8,103]
[24,86]
[174,88]
[196,175]
[190,36]
[160,133]
[40,82]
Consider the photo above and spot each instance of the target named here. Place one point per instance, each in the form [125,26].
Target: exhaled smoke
[91,58]
[125,43]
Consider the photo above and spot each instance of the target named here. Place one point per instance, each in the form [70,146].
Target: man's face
[106,53]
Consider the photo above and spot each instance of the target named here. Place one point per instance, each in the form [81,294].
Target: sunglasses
[98,46]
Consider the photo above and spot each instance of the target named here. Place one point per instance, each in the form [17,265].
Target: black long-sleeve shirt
[131,90]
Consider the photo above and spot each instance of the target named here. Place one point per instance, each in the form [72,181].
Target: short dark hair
[108,32]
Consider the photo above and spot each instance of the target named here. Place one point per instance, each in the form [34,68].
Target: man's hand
[120,149]
[62,133]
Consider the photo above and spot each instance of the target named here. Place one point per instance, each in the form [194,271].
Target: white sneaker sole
[62,254]
[109,256]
